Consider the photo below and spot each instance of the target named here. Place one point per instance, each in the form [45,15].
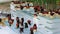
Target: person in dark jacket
[18,21]
[21,27]
[0,20]
[31,31]
[22,20]
[42,9]
[26,25]
[9,16]
[21,7]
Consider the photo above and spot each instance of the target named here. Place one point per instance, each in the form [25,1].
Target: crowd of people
[38,9]
[47,12]
[20,24]
[21,5]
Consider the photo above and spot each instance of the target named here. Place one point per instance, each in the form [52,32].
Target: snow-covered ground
[28,15]
[6,30]
[40,21]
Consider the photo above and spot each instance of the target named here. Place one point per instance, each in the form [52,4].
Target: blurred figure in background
[22,20]
[31,30]
[11,22]
[9,16]
[26,25]
[0,20]
[34,27]
[29,22]
[18,21]
[21,27]
[21,7]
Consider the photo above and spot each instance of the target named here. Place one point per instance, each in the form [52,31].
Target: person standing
[26,25]
[21,27]
[29,22]
[0,20]
[18,21]
[9,17]
[31,30]
[22,20]
[35,27]
[10,22]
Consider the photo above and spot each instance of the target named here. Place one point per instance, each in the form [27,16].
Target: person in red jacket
[29,22]
[35,27]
